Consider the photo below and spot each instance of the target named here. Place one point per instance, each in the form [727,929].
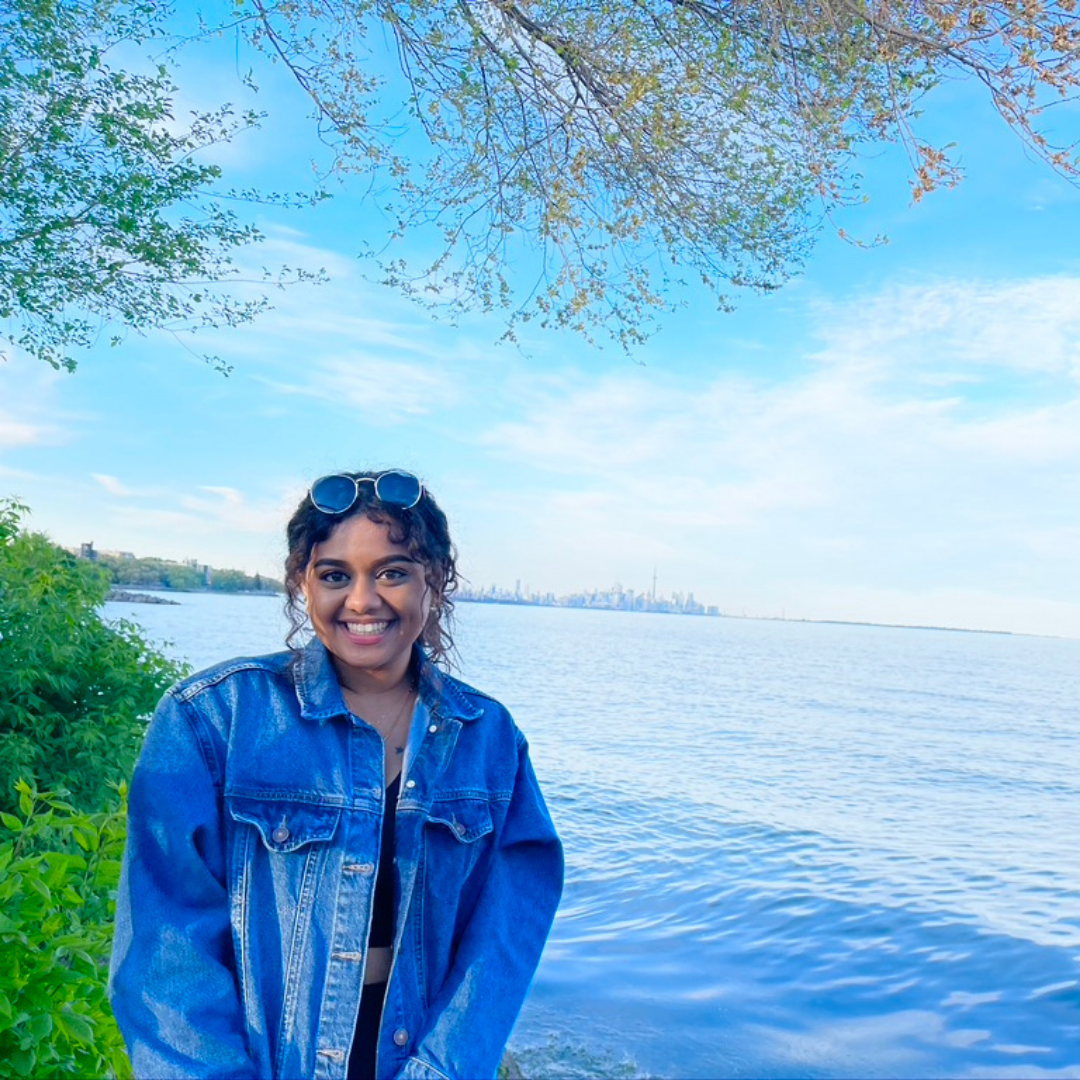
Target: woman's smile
[367,629]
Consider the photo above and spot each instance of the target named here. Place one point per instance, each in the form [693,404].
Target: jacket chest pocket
[283,826]
[456,832]
[280,850]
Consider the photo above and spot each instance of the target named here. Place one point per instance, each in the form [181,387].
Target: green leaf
[22,1061]
[40,887]
[75,1027]
[40,1026]
[11,822]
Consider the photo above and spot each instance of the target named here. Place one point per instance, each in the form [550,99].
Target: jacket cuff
[415,1069]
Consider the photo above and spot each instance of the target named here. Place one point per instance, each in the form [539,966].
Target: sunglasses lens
[398,489]
[333,494]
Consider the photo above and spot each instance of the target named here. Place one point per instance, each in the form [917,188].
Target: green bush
[75,691]
[58,874]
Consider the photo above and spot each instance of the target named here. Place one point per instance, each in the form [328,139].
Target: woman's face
[368,601]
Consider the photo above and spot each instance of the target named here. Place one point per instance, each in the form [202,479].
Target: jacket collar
[320,695]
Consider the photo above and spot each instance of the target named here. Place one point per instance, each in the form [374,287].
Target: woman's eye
[393,573]
[333,577]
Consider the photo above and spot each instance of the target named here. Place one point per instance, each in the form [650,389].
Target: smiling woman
[342,862]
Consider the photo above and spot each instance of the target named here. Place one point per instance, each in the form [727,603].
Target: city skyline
[613,598]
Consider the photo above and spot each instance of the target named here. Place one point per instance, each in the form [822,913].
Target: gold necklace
[399,714]
[402,712]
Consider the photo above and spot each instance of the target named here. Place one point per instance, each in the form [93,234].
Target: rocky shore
[126,597]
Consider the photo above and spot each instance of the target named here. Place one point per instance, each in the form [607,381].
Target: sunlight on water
[792,849]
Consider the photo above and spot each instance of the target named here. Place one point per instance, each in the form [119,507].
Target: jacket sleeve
[173,979]
[473,1014]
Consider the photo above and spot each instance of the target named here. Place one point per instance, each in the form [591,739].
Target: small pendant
[399,749]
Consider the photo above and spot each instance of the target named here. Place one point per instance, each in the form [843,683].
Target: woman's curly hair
[422,530]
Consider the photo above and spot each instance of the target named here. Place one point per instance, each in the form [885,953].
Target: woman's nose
[364,595]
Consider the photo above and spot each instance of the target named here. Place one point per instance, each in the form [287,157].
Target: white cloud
[113,486]
[1040,435]
[20,433]
[18,474]
[204,521]
[357,346]
[229,510]
[30,416]
[1048,192]
[1022,326]
[231,496]
[378,392]
[213,527]
[346,312]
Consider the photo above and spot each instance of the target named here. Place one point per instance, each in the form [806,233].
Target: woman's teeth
[372,629]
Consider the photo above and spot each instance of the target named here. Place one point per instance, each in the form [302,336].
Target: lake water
[792,849]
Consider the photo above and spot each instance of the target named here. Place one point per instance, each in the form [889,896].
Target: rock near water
[125,597]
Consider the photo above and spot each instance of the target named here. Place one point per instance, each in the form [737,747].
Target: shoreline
[149,595]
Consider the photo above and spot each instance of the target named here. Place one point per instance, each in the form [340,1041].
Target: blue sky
[895,436]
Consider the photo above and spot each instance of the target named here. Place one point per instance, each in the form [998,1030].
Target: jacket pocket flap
[467,819]
[285,826]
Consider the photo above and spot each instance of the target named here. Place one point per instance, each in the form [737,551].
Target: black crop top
[382,913]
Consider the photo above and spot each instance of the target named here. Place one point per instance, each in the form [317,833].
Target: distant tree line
[189,577]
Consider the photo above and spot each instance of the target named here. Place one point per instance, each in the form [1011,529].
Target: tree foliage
[59,869]
[109,215]
[75,692]
[557,161]
[631,142]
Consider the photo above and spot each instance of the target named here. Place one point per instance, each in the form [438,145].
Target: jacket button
[459,829]
[410,783]
[401,1037]
[433,728]
[281,834]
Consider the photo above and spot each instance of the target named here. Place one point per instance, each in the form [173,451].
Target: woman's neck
[374,685]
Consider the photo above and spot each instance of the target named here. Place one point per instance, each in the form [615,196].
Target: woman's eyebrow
[327,561]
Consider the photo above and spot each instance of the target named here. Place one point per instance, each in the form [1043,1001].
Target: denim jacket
[246,893]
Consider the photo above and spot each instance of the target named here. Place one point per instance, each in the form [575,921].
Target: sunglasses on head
[336,494]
